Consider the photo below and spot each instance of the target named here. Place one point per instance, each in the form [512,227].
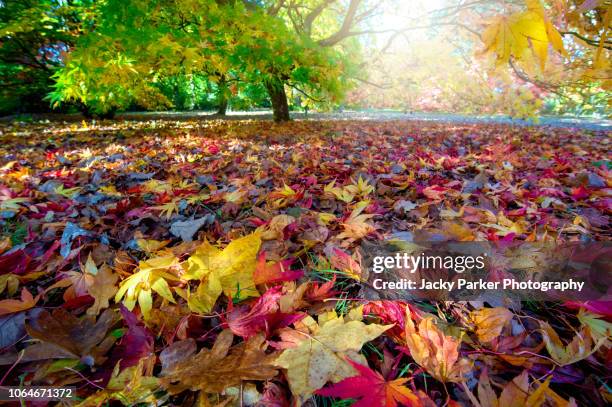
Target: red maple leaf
[275,272]
[264,316]
[371,389]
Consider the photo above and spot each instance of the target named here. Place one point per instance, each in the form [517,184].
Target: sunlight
[401,14]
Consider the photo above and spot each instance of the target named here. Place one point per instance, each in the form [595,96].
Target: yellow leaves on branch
[437,353]
[229,271]
[513,36]
[322,349]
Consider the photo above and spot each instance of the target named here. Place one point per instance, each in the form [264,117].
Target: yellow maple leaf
[167,209]
[151,276]
[282,197]
[516,34]
[238,196]
[110,190]
[361,187]
[356,226]
[133,385]
[12,204]
[322,350]
[203,299]
[151,246]
[67,192]
[102,289]
[229,271]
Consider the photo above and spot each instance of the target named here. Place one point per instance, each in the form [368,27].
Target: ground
[82,201]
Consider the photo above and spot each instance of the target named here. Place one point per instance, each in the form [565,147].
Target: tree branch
[589,41]
[376,85]
[544,85]
[304,93]
[275,9]
[312,16]
[345,29]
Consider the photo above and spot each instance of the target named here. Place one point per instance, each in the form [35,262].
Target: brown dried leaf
[213,370]
[84,338]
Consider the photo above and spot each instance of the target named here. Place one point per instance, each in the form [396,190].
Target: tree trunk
[278,98]
[222,97]
[222,107]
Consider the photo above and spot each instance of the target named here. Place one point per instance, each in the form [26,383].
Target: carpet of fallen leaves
[215,263]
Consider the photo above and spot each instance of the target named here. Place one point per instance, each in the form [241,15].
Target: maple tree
[136,45]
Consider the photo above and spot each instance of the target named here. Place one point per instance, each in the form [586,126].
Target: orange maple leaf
[27,301]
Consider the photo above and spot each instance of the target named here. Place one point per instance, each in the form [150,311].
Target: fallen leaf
[102,289]
[188,228]
[489,322]
[369,388]
[274,272]
[579,348]
[26,302]
[232,267]
[130,386]
[135,344]
[263,317]
[437,353]
[321,355]
[274,229]
[84,338]
[151,276]
[213,370]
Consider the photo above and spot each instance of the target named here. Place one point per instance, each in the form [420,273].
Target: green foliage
[590,100]
[34,36]
[189,92]
[147,51]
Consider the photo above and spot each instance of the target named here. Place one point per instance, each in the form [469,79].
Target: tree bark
[222,106]
[278,98]
[222,100]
